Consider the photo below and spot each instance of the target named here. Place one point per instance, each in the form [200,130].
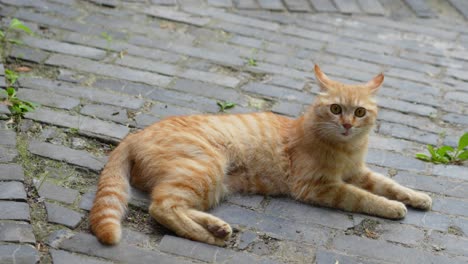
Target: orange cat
[190,163]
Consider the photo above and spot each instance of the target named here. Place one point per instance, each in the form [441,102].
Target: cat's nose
[347,126]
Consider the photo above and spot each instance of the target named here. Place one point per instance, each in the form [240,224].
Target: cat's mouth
[346,133]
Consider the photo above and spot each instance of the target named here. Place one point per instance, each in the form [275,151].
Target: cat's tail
[112,195]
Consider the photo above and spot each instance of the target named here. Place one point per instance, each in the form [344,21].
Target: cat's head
[341,111]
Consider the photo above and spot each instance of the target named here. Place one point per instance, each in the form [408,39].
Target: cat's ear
[374,84]
[322,79]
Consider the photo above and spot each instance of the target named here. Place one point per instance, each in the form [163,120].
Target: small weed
[11,76]
[5,35]
[223,106]
[16,106]
[447,154]
[108,39]
[252,62]
[74,131]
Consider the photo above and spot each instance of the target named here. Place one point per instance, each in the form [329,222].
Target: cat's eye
[335,109]
[360,112]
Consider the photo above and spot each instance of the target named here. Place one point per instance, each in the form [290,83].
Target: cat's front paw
[421,201]
[396,210]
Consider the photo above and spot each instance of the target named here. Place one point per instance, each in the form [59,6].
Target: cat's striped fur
[189,163]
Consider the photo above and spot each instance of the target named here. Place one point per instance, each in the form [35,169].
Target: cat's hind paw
[396,210]
[421,201]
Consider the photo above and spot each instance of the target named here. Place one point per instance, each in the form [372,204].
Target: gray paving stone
[394,160]
[51,191]
[61,215]
[427,219]
[421,8]
[297,5]
[249,201]
[85,125]
[347,6]
[449,243]
[75,157]
[272,225]
[423,123]
[111,113]
[8,154]
[246,238]
[450,206]
[308,214]
[401,131]
[14,211]
[286,108]
[7,137]
[165,110]
[73,90]
[208,90]
[16,232]
[11,172]
[48,99]
[139,199]
[87,199]
[12,191]
[406,107]
[451,171]
[3,108]
[19,254]
[287,82]
[65,257]
[164,2]
[324,5]
[433,184]
[457,96]
[65,48]
[271,4]
[278,92]
[461,6]
[144,120]
[88,244]
[208,253]
[122,86]
[403,234]
[174,70]
[28,54]
[246,4]
[385,251]
[456,118]
[221,3]
[393,144]
[326,257]
[173,15]
[202,104]
[107,69]
[372,7]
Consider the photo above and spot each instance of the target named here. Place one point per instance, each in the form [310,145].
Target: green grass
[447,154]
[223,106]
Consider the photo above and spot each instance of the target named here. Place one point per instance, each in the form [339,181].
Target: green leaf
[431,150]
[442,151]
[229,105]
[11,92]
[463,155]
[18,25]
[463,141]
[423,157]
[2,35]
[15,41]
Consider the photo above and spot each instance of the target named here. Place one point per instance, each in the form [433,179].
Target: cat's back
[239,130]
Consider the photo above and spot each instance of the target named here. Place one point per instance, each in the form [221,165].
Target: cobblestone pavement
[103,68]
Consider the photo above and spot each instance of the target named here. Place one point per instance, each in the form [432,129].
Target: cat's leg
[350,198]
[381,185]
[178,201]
